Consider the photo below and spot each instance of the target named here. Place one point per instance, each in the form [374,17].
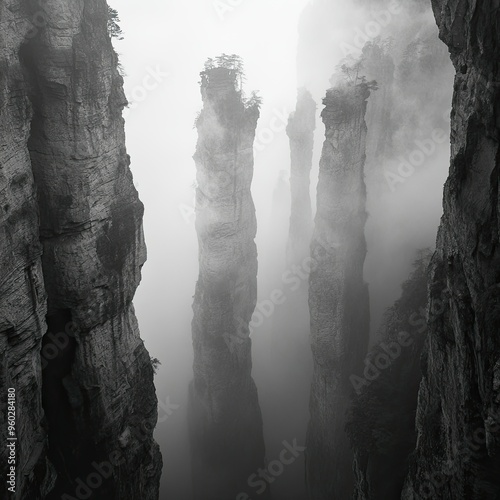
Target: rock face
[458,417]
[338,295]
[226,425]
[300,130]
[23,299]
[72,223]
[381,423]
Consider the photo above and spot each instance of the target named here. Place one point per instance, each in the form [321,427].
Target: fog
[163,51]
[402,216]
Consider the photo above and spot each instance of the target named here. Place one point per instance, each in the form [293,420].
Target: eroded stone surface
[338,295]
[226,424]
[71,222]
[458,417]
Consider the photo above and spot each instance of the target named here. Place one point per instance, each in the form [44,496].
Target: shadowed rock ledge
[72,250]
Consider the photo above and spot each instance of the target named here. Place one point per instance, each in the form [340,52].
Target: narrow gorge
[326,315]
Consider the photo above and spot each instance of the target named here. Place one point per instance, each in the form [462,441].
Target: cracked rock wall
[458,416]
[72,227]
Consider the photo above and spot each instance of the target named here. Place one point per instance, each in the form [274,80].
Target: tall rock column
[338,295]
[300,130]
[458,417]
[68,143]
[225,419]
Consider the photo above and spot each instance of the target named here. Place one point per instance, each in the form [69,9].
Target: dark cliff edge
[227,444]
[338,295]
[458,416]
[72,251]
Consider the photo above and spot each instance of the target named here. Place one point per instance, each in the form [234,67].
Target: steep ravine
[458,416]
[338,295]
[67,194]
[227,444]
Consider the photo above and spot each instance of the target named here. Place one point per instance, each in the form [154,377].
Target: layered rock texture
[72,250]
[338,295]
[381,423]
[458,417]
[300,130]
[225,419]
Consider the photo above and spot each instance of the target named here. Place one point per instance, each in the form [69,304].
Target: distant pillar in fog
[227,443]
[300,130]
[338,295]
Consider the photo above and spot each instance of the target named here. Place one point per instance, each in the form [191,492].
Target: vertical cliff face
[458,416]
[23,304]
[226,424]
[338,296]
[64,141]
[300,130]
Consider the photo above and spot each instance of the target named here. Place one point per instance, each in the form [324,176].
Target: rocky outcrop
[338,295]
[300,130]
[458,417]
[225,420]
[69,197]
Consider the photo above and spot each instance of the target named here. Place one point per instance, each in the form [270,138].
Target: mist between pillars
[294,277]
[425,148]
